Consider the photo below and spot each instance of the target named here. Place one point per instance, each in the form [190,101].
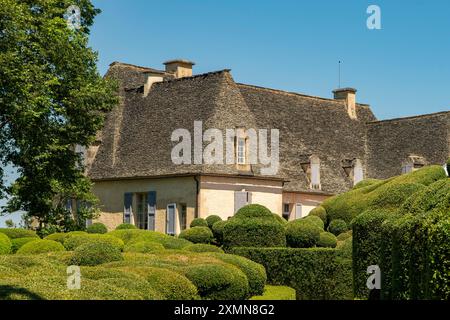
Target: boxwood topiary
[344,235]
[5,244]
[315,220]
[255,232]
[253,211]
[198,222]
[40,246]
[319,212]
[197,235]
[337,226]
[174,243]
[212,219]
[59,237]
[143,247]
[95,253]
[97,228]
[218,282]
[125,226]
[202,247]
[14,233]
[301,233]
[327,240]
[17,243]
[71,243]
[217,230]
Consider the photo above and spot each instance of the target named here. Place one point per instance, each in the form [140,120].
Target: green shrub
[345,248]
[276,293]
[198,222]
[253,211]
[197,235]
[319,212]
[125,226]
[143,247]
[5,244]
[327,240]
[344,235]
[59,237]
[255,232]
[392,196]
[17,243]
[279,219]
[315,220]
[301,233]
[202,247]
[337,227]
[95,253]
[366,183]
[175,243]
[18,233]
[255,272]
[217,230]
[212,219]
[315,273]
[218,282]
[40,246]
[73,242]
[75,233]
[435,196]
[97,228]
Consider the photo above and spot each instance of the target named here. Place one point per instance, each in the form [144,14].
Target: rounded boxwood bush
[302,234]
[14,233]
[143,247]
[218,282]
[40,246]
[174,243]
[344,235]
[202,247]
[198,222]
[279,219]
[253,211]
[17,243]
[97,228]
[337,227]
[319,212]
[73,242]
[217,230]
[95,253]
[197,235]
[212,219]
[315,220]
[327,240]
[125,226]
[59,237]
[5,244]
[254,232]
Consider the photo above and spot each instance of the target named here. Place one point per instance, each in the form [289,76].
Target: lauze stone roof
[135,141]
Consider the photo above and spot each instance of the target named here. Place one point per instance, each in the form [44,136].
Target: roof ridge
[410,117]
[279,91]
[135,66]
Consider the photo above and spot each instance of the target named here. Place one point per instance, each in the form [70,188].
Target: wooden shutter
[170,219]
[240,199]
[127,207]
[151,209]
[298,210]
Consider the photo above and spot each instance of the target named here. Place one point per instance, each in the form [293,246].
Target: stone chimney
[349,97]
[179,68]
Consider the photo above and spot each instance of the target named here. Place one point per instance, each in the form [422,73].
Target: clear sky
[401,70]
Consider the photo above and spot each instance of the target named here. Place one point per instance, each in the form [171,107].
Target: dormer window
[413,163]
[315,173]
[354,169]
[241,150]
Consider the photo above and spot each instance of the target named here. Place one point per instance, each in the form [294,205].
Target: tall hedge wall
[315,273]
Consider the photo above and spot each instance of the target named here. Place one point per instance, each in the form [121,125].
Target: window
[141,211]
[183,217]
[241,151]
[170,216]
[315,173]
[286,211]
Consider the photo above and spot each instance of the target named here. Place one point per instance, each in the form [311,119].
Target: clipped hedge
[198,222]
[315,220]
[197,235]
[255,232]
[345,235]
[366,183]
[253,211]
[14,233]
[217,230]
[337,227]
[5,244]
[40,246]
[327,240]
[125,226]
[302,233]
[218,282]
[59,237]
[73,242]
[95,253]
[319,212]
[17,243]
[97,228]
[315,273]
[276,293]
[143,247]
[130,236]
[202,247]
[212,219]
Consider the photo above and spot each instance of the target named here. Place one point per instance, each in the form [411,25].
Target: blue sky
[401,70]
